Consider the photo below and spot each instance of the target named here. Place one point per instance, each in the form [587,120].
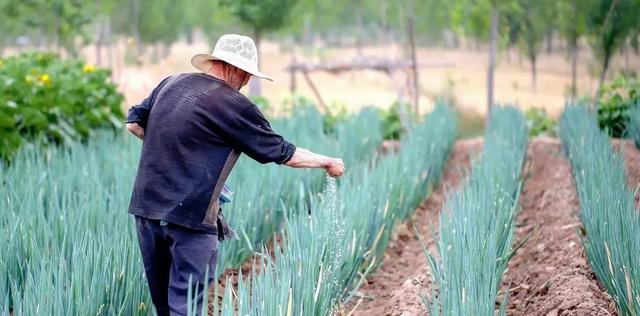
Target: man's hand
[334,167]
[303,158]
[136,129]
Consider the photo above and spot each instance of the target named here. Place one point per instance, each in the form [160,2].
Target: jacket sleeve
[140,113]
[250,132]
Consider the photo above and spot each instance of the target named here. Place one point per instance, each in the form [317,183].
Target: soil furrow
[395,288]
[550,274]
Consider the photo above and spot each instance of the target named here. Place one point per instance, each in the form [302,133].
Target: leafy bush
[44,98]
[633,126]
[392,123]
[539,123]
[616,98]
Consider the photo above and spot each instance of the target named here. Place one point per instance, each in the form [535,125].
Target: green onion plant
[477,224]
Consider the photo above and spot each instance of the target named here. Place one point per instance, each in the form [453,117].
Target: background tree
[534,19]
[608,25]
[57,23]
[261,16]
[481,20]
[572,28]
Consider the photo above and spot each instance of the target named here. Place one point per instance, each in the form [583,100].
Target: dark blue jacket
[195,127]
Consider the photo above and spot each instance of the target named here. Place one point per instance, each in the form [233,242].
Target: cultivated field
[504,224]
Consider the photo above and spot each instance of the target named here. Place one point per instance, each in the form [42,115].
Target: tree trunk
[550,42]
[190,36]
[109,41]
[255,86]
[493,41]
[99,38]
[293,84]
[307,37]
[135,13]
[359,31]
[603,74]
[382,37]
[534,74]
[626,56]
[573,46]
[414,63]
[574,70]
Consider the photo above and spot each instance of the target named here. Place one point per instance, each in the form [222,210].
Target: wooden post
[293,85]
[492,61]
[315,92]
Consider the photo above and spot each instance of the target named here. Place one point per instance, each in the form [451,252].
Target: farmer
[194,127]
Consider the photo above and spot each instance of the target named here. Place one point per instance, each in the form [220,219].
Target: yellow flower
[28,79]
[88,68]
[44,78]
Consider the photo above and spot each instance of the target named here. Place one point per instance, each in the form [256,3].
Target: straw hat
[237,50]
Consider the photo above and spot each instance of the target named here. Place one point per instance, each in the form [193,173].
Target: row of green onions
[611,234]
[69,246]
[326,253]
[477,224]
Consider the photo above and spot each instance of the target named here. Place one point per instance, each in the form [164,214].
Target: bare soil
[550,274]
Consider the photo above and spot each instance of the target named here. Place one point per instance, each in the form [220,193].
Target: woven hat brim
[202,62]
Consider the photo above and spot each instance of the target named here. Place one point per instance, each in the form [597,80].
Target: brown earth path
[550,274]
[404,257]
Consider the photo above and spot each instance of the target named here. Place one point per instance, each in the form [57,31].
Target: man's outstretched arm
[303,158]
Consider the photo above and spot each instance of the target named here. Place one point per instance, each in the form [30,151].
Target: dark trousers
[171,254]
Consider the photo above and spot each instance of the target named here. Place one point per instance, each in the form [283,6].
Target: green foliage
[392,123]
[63,21]
[325,254]
[617,97]
[608,25]
[534,19]
[478,222]
[338,113]
[573,27]
[611,234]
[539,123]
[44,98]
[261,16]
[633,126]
